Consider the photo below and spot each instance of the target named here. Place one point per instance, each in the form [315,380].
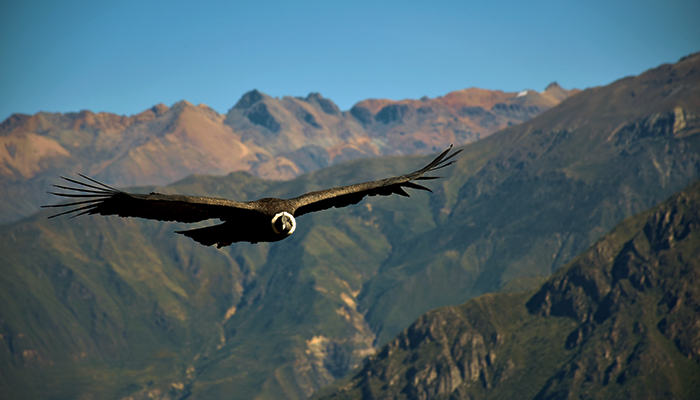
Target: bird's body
[263,220]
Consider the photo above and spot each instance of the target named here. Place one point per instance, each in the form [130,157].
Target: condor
[264,220]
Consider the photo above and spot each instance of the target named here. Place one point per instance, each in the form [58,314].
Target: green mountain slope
[620,321]
[106,307]
[112,308]
[530,198]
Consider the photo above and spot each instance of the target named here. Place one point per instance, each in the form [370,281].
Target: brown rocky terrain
[271,138]
[122,308]
[622,320]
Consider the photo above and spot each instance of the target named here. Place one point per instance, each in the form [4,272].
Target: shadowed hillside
[102,306]
[620,321]
[527,200]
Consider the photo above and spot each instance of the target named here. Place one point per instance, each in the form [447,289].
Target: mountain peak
[13,122]
[249,98]
[159,109]
[181,104]
[553,85]
[558,93]
[314,96]
[328,106]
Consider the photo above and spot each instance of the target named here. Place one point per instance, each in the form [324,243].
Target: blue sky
[125,56]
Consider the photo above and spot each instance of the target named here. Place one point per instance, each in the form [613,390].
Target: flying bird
[264,220]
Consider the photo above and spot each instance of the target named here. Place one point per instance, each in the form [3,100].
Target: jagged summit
[277,138]
[314,96]
[553,85]
[249,98]
[558,93]
[328,106]
[159,109]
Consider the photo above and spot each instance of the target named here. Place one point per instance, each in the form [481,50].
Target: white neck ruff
[276,217]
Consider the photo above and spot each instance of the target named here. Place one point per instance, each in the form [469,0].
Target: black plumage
[264,220]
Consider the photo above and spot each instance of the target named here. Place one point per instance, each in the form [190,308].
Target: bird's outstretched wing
[94,197]
[346,195]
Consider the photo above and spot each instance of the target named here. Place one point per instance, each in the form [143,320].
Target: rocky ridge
[537,194]
[271,138]
[620,321]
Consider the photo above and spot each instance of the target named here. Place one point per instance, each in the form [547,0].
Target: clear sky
[126,56]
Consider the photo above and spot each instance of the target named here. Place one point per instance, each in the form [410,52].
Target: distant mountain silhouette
[271,138]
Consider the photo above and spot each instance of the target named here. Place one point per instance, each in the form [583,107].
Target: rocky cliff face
[620,321]
[532,197]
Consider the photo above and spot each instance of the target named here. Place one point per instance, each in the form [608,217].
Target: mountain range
[271,138]
[621,321]
[112,308]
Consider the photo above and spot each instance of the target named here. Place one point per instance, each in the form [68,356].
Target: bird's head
[283,223]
